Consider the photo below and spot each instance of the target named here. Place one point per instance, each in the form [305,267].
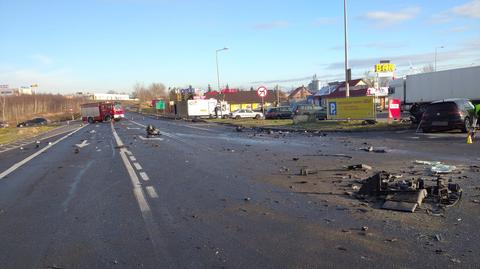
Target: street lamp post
[436,48]
[218,73]
[347,84]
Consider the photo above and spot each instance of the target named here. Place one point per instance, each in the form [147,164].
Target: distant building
[110,97]
[7,92]
[25,91]
[247,99]
[298,95]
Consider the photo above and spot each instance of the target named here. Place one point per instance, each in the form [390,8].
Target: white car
[246,113]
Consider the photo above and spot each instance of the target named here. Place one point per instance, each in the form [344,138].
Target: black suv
[448,114]
[310,109]
[281,112]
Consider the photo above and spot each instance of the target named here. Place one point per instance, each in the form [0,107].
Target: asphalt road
[205,196]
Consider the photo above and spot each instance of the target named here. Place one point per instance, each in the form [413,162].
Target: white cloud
[324,21]
[470,9]
[272,25]
[385,18]
[43,59]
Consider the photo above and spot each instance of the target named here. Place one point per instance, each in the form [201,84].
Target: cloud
[458,29]
[324,21]
[43,59]
[470,9]
[467,52]
[272,25]
[385,18]
[372,45]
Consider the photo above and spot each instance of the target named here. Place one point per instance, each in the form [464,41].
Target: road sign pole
[263,106]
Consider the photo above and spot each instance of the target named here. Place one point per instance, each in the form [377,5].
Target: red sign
[394,111]
[262,91]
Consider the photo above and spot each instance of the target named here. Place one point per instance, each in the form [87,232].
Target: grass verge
[323,125]
[12,134]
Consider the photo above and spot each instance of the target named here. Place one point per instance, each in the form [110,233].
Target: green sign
[160,105]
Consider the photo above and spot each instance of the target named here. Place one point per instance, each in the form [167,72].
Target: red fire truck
[102,111]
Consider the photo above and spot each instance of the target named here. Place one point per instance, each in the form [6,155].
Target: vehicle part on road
[407,195]
[304,171]
[437,167]
[361,166]
[152,131]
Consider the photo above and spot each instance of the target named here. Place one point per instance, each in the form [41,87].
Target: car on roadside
[448,114]
[3,124]
[310,109]
[246,113]
[33,122]
[281,112]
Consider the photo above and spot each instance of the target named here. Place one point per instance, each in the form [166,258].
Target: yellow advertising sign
[354,108]
[384,68]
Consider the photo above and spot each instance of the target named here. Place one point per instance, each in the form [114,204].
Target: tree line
[18,108]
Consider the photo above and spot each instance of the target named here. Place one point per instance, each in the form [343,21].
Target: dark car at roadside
[281,112]
[32,122]
[448,114]
[310,109]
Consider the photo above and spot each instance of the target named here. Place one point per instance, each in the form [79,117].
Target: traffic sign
[262,91]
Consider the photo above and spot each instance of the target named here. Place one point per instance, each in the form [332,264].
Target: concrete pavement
[205,196]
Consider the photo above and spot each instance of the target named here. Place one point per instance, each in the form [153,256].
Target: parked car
[448,114]
[281,112]
[32,122]
[3,124]
[310,109]
[246,113]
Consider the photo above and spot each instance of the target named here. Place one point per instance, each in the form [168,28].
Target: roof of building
[351,83]
[297,90]
[245,97]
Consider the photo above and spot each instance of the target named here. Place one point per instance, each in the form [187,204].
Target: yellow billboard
[354,108]
[384,68]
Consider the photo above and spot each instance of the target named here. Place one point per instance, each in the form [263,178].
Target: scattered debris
[329,155]
[359,167]
[152,131]
[295,159]
[239,128]
[371,149]
[76,150]
[407,195]
[437,167]
[304,171]
[246,199]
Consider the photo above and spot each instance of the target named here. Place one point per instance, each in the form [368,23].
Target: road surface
[205,196]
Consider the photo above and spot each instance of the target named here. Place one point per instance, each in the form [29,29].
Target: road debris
[437,167]
[407,195]
[361,166]
[152,131]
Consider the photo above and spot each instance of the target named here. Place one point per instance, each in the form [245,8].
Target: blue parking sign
[332,108]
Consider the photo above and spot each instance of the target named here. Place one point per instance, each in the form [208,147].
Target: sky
[101,45]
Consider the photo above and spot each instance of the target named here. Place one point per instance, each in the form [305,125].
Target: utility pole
[347,86]
[278,95]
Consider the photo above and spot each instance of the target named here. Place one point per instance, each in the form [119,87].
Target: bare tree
[112,92]
[157,90]
[369,78]
[427,68]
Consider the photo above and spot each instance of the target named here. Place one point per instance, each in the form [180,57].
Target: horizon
[102,45]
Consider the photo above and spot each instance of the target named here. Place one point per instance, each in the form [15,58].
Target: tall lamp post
[218,73]
[347,83]
[436,48]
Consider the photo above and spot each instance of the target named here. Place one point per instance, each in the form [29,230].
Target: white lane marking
[29,158]
[150,138]
[151,192]
[144,176]
[158,245]
[132,158]
[134,128]
[83,144]
[137,166]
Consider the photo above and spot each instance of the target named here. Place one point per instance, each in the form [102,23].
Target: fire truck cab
[101,111]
